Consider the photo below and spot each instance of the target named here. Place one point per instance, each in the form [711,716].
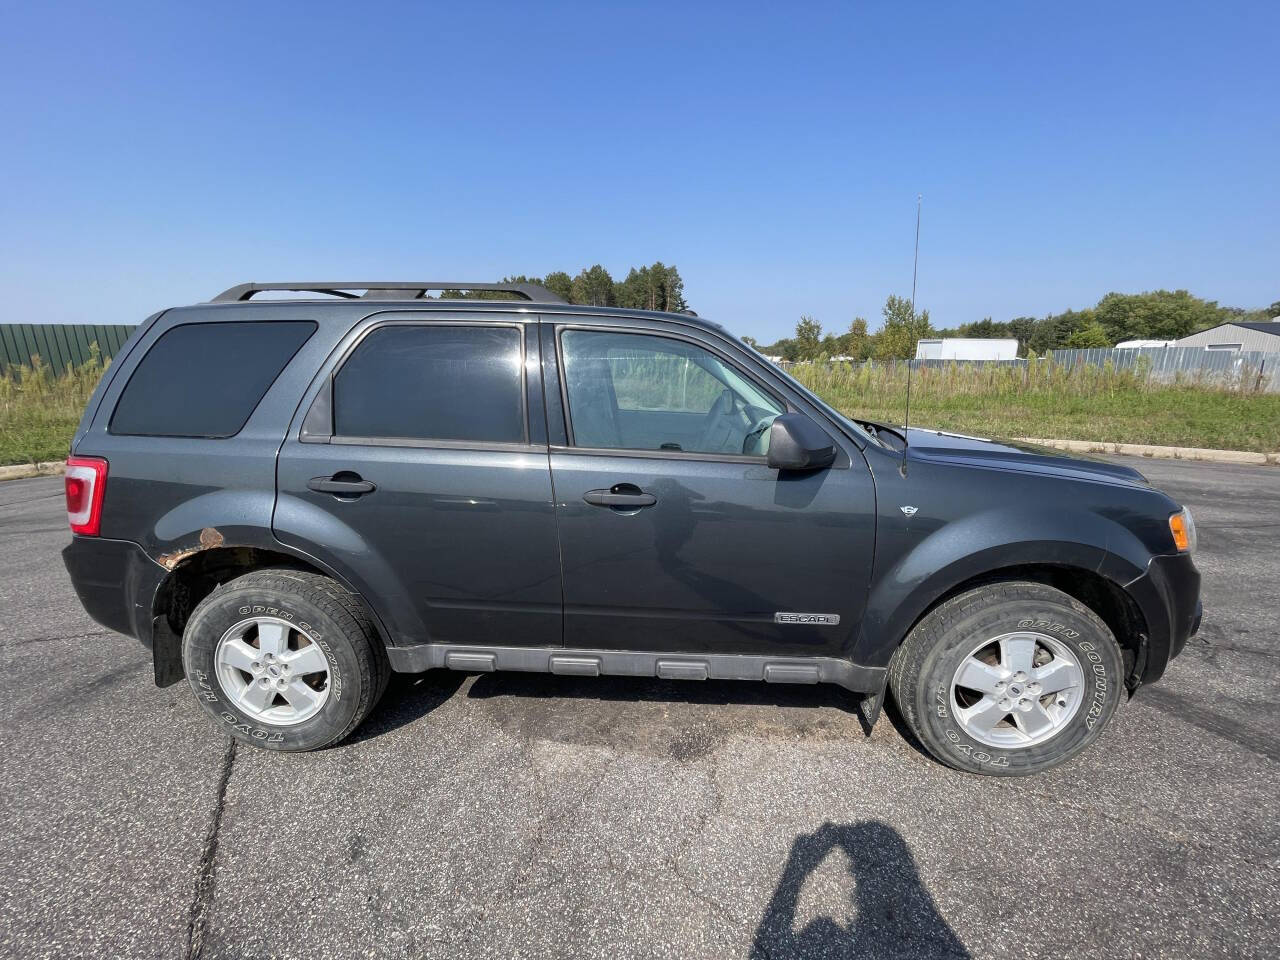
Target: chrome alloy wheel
[1017,689]
[272,671]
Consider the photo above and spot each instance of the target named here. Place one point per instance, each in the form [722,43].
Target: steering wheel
[717,422]
[752,440]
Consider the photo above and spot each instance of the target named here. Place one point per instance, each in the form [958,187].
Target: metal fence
[1246,369]
[1249,370]
[58,345]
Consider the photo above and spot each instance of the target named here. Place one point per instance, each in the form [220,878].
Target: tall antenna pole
[915,264]
[915,268]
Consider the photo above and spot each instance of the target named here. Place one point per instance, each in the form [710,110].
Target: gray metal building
[1263,337]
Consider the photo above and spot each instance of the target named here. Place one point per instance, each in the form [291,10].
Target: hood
[938,446]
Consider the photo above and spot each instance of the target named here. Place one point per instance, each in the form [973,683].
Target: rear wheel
[284,659]
[1008,679]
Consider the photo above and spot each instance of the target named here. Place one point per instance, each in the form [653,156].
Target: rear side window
[205,379]
[433,382]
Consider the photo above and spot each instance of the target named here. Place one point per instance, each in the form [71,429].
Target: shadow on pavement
[888,912]
[648,689]
[409,697]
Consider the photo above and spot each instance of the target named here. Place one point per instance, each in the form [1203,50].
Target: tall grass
[1044,399]
[39,407]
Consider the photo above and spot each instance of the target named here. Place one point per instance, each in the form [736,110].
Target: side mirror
[797,443]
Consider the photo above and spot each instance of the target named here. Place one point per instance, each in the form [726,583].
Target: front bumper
[1169,597]
[116,583]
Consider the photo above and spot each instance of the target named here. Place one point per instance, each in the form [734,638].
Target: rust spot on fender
[210,539]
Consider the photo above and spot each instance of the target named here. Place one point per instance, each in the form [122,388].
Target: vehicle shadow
[649,689]
[409,697]
[899,724]
[889,912]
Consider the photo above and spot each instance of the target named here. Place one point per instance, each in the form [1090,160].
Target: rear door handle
[349,487]
[616,498]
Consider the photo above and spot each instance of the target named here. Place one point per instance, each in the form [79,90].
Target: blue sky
[156,154]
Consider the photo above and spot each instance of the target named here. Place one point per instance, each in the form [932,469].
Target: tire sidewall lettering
[256,733]
[1098,691]
[1046,625]
[208,690]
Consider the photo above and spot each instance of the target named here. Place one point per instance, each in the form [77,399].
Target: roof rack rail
[395,290]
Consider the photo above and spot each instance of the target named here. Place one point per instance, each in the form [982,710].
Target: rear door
[418,469]
[675,534]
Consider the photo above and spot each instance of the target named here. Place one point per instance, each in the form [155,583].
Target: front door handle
[349,485]
[626,499]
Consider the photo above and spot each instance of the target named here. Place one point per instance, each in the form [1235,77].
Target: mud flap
[871,704]
[166,653]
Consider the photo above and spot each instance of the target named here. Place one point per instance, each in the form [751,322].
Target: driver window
[634,391]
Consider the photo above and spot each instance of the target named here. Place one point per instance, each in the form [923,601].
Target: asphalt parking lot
[521,815]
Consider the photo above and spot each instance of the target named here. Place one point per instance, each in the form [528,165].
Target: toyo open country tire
[284,659]
[1026,647]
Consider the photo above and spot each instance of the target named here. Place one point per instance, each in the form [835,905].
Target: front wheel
[284,659]
[1008,679]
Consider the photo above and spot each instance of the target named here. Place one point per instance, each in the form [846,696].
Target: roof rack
[385,291]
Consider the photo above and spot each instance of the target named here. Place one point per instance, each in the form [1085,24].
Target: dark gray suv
[286,499]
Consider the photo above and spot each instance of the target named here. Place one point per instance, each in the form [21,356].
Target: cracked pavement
[523,815]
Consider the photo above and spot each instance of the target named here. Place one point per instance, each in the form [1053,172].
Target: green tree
[1155,315]
[984,329]
[751,342]
[1055,331]
[808,339]
[639,291]
[593,287]
[657,287]
[1020,329]
[857,342]
[1092,334]
[784,348]
[672,288]
[559,283]
[902,329]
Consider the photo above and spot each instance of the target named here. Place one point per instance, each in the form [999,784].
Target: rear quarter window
[206,379]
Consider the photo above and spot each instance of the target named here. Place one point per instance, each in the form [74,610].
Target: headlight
[1183,529]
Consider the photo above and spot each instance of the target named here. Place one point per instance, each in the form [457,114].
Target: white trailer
[967,348]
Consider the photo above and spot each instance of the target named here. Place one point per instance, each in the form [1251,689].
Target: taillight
[85,481]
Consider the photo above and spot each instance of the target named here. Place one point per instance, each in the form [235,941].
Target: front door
[675,535]
[421,476]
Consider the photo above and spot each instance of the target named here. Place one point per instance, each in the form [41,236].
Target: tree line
[1154,315]
[655,287]
[897,336]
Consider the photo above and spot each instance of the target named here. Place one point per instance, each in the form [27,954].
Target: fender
[227,518]
[322,539]
[918,563]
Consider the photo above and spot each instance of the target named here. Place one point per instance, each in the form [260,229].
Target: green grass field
[1047,401]
[39,409]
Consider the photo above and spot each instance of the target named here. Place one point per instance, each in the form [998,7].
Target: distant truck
[966,348]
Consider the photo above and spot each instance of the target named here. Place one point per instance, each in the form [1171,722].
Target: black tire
[335,617]
[922,669]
